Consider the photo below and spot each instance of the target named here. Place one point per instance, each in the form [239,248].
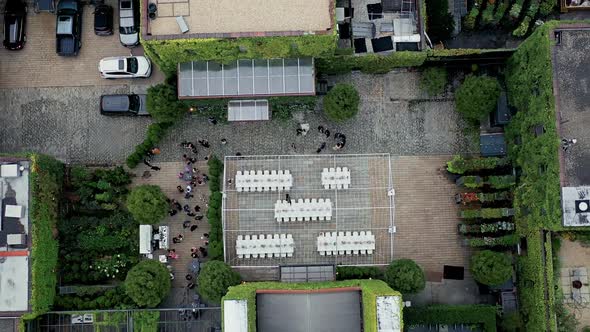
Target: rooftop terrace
[241,18]
[14,226]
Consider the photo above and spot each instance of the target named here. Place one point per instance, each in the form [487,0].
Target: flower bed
[500,226]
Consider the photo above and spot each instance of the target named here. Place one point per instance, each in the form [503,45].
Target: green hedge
[370,64]
[358,272]
[494,182]
[46,180]
[155,133]
[484,315]
[214,211]
[461,165]
[502,241]
[168,53]
[370,289]
[529,82]
[487,213]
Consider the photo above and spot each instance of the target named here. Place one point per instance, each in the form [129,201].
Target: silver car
[128,27]
[123,105]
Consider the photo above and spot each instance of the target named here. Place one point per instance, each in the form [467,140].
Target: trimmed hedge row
[484,315]
[214,211]
[370,289]
[358,272]
[168,53]
[370,64]
[155,133]
[487,213]
[461,165]
[502,241]
[46,180]
[495,182]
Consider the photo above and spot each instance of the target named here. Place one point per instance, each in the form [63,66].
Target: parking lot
[38,65]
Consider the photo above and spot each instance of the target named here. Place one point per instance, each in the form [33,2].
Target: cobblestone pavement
[66,123]
[393,118]
[38,65]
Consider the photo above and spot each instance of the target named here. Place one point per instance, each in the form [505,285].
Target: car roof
[115,103]
[15,6]
[113,64]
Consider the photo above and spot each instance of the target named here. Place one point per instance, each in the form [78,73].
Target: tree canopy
[163,104]
[147,204]
[147,283]
[477,96]
[491,268]
[405,275]
[215,278]
[341,103]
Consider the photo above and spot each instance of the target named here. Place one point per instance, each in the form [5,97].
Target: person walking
[327,133]
[223,141]
[212,120]
[321,129]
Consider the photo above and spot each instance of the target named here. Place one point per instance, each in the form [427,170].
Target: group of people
[338,137]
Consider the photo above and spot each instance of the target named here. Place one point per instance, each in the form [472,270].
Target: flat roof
[571,72]
[243,16]
[365,206]
[326,311]
[14,261]
[492,145]
[235,315]
[248,77]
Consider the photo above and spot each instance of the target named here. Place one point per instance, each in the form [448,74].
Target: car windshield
[127,30]
[134,103]
[132,65]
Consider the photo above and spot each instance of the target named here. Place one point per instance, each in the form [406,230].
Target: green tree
[511,322]
[147,283]
[477,96]
[215,278]
[147,204]
[433,80]
[341,103]
[440,22]
[491,268]
[405,275]
[163,104]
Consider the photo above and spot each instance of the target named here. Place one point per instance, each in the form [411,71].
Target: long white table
[346,243]
[263,181]
[265,246]
[336,178]
[303,210]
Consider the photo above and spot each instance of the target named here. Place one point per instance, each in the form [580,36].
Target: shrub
[440,22]
[451,315]
[461,165]
[501,182]
[500,11]
[515,10]
[469,20]
[491,268]
[511,322]
[487,16]
[370,64]
[284,107]
[502,241]
[470,181]
[214,280]
[147,204]
[147,283]
[163,104]
[405,275]
[358,272]
[523,27]
[477,97]
[433,80]
[341,103]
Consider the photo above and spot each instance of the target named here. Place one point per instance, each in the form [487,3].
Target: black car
[103,20]
[15,16]
[123,105]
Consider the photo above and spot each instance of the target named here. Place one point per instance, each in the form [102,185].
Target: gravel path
[394,117]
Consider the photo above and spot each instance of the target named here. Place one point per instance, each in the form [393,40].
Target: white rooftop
[389,314]
[575,204]
[235,315]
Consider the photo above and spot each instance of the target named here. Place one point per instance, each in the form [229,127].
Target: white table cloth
[261,246]
[303,210]
[336,178]
[342,243]
[263,181]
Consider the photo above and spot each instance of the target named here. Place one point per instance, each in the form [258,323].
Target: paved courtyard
[573,255]
[65,123]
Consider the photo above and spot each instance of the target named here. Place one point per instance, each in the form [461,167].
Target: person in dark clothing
[186,224]
[206,235]
[199,217]
[212,120]
[321,129]
[322,146]
[288,198]
[186,208]
[178,206]
[193,227]
[238,154]
[299,131]
[192,160]
[188,195]
[155,168]
[172,212]
[327,132]
[191,214]
[146,162]
[174,240]
[179,188]
[205,143]
[197,208]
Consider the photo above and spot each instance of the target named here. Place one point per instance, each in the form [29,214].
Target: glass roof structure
[255,77]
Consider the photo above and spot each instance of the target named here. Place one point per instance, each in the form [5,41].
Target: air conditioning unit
[16,239]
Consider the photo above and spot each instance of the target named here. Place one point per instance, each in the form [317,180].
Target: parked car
[123,105]
[103,20]
[125,67]
[15,16]
[68,28]
[128,23]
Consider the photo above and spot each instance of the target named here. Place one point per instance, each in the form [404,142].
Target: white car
[125,67]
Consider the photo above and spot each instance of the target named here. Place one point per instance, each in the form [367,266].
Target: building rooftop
[254,17]
[492,145]
[14,228]
[364,206]
[572,84]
